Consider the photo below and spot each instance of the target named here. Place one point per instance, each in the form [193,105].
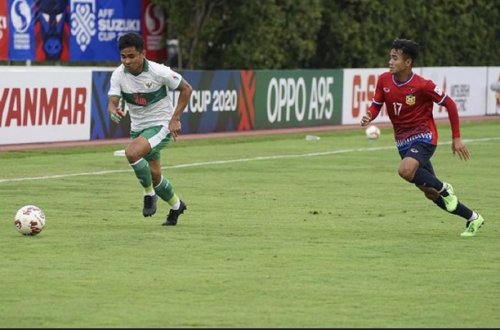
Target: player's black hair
[131,39]
[409,48]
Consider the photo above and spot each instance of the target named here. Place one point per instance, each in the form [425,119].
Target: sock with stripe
[143,173]
[166,192]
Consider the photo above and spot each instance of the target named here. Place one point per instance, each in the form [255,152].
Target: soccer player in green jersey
[143,84]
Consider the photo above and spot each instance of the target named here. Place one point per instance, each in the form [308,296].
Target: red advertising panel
[4,33]
[154,28]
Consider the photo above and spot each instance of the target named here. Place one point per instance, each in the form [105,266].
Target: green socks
[142,172]
[166,192]
[164,189]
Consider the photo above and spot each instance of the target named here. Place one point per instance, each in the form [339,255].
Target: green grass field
[279,232]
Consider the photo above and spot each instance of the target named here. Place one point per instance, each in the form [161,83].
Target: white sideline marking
[238,160]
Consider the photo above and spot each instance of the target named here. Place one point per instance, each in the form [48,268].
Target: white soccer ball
[372,132]
[29,220]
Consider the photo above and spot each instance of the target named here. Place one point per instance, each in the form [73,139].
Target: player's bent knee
[132,157]
[405,174]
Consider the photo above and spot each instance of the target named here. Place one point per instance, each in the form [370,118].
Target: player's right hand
[116,115]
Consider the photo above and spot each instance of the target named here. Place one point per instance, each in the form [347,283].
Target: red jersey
[409,106]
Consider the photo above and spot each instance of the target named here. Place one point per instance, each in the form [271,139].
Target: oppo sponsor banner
[97,25]
[466,85]
[493,93]
[44,105]
[4,32]
[297,98]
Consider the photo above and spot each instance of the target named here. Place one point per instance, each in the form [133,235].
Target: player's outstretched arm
[457,146]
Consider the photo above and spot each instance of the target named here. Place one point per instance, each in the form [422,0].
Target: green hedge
[289,34]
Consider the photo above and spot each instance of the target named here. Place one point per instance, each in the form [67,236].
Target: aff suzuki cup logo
[83,21]
[20,16]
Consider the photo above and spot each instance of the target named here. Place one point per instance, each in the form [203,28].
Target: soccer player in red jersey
[409,99]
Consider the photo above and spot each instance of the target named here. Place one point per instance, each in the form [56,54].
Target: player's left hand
[367,118]
[175,127]
[458,147]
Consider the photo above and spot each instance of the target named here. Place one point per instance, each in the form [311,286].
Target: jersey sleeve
[439,96]
[434,92]
[170,78]
[114,85]
[377,100]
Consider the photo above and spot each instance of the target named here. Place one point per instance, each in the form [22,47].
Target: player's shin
[143,173]
[425,178]
[461,210]
[166,192]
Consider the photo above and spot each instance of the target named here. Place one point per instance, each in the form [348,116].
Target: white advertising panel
[493,93]
[44,104]
[465,85]
[359,88]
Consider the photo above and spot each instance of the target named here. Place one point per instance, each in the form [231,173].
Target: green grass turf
[279,232]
